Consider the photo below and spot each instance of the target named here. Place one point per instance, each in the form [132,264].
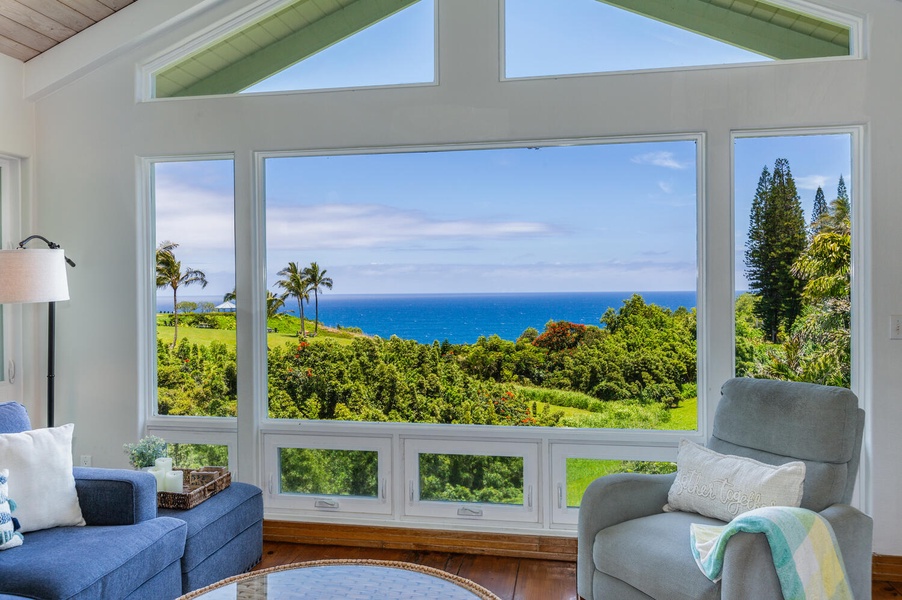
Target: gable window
[306,45]
[594,36]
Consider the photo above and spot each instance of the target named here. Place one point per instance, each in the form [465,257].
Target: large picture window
[526,287]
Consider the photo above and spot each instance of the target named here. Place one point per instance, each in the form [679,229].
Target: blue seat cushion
[93,562]
[225,535]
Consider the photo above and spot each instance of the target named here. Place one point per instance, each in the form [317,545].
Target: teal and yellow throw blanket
[806,556]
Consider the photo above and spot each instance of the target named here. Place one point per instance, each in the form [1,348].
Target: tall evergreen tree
[777,238]
[841,191]
[819,210]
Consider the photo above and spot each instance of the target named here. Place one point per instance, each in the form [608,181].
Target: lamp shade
[33,276]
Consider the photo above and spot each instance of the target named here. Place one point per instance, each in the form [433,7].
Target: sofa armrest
[611,500]
[115,496]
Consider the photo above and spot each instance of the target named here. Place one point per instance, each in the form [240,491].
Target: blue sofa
[127,549]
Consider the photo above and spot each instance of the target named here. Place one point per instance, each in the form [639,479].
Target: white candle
[160,476]
[164,463]
[174,481]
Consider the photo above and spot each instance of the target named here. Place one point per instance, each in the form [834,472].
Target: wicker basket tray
[199,485]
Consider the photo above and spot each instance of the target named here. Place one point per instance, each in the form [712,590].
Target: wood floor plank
[495,573]
[882,590]
[545,579]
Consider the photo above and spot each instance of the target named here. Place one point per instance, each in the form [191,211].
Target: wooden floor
[509,578]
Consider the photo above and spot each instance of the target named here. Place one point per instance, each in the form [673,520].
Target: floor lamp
[28,276]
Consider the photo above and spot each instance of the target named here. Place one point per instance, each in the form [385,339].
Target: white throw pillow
[723,486]
[40,477]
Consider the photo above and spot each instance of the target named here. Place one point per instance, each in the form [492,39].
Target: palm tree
[296,284]
[170,274]
[273,304]
[316,279]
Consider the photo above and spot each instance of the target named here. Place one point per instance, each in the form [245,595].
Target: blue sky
[616,217]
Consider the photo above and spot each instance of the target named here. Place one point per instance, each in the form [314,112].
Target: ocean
[463,318]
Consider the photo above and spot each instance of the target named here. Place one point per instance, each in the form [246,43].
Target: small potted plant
[145,453]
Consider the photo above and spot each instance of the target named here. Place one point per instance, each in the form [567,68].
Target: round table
[344,580]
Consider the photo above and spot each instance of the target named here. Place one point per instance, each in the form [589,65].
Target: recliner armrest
[115,496]
[611,500]
[854,533]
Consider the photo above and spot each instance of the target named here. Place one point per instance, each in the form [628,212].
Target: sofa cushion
[92,562]
[41,480]
[676,576]
[225,535]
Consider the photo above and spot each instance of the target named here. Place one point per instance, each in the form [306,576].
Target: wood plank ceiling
[29,27]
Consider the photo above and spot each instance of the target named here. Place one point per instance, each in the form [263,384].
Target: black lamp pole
[51,331]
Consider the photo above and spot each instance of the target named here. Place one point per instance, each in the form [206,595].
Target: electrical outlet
[86,460]
[895,327]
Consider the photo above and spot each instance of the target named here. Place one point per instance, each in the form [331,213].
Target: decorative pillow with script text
[723,486]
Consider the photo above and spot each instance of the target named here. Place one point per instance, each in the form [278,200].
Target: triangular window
[309,44]
[594,36]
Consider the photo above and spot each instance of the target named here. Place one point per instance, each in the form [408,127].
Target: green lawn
[197,335]
[685,417]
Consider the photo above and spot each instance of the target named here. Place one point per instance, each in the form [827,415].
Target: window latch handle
[466,511]
[326,503]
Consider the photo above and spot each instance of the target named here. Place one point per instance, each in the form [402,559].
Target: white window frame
[326,504]
[11,330]
[529,512]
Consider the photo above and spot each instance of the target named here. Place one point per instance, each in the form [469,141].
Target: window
[329,474]
[307,45]
[195,308]
[508,295]
[540,290]
[588,36]
[794,200]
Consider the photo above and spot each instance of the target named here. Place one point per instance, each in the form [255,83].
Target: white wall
[16,114]
[90,131]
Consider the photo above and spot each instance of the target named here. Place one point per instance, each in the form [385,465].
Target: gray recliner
[630,549]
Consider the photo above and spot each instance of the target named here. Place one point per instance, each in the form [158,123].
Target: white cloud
[371,226]
[811,182]
[195,216]
[657,274]
[666,187]
[661,159]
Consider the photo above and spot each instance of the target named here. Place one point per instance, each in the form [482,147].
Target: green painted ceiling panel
[760,27]
[271,45]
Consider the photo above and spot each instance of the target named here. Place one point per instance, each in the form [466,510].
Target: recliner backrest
[776,422]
